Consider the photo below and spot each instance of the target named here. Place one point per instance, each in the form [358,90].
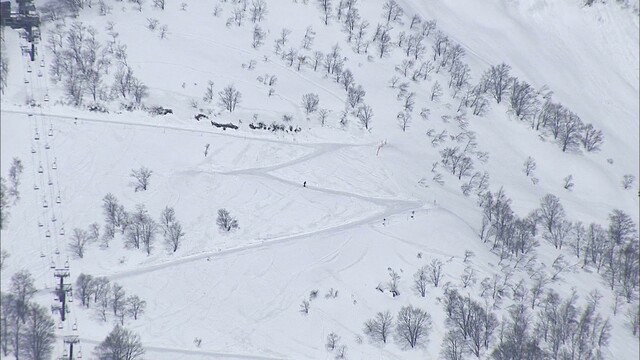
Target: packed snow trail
[187,352]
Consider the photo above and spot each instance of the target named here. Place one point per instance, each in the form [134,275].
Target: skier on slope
[304,184]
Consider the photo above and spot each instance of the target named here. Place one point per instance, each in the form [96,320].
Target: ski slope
[360,214]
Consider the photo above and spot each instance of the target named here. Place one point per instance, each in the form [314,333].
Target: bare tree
[258,10]
[435,271]
[135,306]
[84,288]
[23,289]
[171,228]
[412,326]
[160,4]
[139,90]
[384,42]
[404,118]
[379,328]
[633,318]
[164,31]
[529,166]
[570,132]
[225,221]
[453,347]
[141,177]
[322,116]
[568,182]
[468,277]
[347,79]
[102,296]
[230,98]
[627,181]
[118,299]
[141,230]
[591,138]
[394,281]
[209,94]
[496,81]
[522,99]
[551,212]
[38,334]
[355,95]
[318,56]
[310,102]
[15,171]
[436,91]
[302,60]
[392,12]
[304,306]
[365,115]
[420,280]
[309,36]
[325,7]
[78,241]
[120,344]
[258,36]
[138,3]
[332,341]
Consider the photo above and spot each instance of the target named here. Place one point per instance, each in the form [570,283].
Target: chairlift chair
[46,146]
[35,187]
[29,69]
[53,218]
[47,233]
[41,63]
[58,199]
[74,327]
[26,81]
[57,251]
[50,182]
[39,73]
[37,136]
[54,166]
[46,97]
[42,255]
[60,327]
[40,224]
[50,131]
[66,264]
[45,204]
[33,150]
[62,231]
[40,169]
[53,264]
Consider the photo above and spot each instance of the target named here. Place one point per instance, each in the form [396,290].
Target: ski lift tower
[62,291]
[70,340]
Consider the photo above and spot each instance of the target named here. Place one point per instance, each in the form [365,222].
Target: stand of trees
[26,328]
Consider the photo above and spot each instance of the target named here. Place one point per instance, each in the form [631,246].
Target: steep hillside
[388,174]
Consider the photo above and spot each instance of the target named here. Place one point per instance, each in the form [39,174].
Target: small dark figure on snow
[304,184]
[413,212]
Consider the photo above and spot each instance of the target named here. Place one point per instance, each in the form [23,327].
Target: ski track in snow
[391,206]
[186,352]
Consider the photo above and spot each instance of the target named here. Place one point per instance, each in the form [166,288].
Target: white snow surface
[240,291]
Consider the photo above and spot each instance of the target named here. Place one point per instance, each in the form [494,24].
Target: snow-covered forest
[320,179]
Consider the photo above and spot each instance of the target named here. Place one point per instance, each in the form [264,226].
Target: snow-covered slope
[370,204]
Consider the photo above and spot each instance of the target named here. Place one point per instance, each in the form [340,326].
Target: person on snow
[304,184]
